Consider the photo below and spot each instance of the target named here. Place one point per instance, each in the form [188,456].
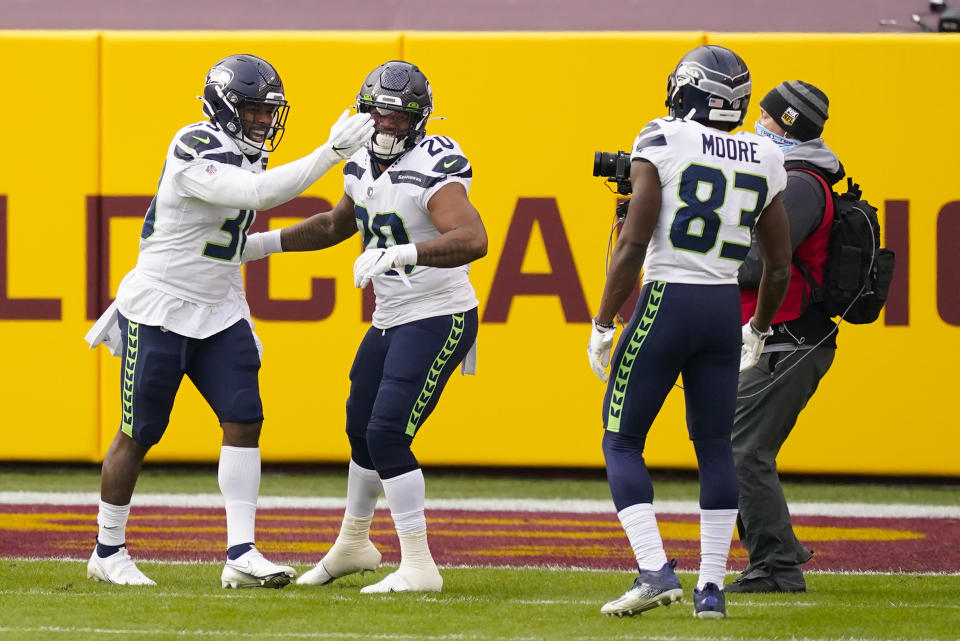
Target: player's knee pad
[146,434]
[244,407]
[390,452]
[359,451]
[718,477]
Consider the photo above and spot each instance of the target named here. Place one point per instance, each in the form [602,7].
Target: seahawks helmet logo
[220,76]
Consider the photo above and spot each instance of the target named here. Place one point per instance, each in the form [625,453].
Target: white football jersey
[187,278]
[391,209]
[714,186]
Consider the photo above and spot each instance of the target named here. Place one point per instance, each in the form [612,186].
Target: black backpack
[858,271]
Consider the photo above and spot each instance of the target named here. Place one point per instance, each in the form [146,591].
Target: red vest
[812,252]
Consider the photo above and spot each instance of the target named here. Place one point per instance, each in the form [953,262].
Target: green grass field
[50,599]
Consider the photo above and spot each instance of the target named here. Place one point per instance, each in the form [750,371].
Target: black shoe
[757,584]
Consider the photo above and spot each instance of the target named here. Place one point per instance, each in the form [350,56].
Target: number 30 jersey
[391,209]
[714,186]
[187,278]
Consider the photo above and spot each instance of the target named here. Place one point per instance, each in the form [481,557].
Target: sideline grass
[329,481]
[53,600]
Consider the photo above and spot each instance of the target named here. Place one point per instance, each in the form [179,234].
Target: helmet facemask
[262,122]
[395,130]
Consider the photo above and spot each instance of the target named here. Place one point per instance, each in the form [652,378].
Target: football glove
[261,245]
[753,340]
[377,261]
[598,350]
[349,134]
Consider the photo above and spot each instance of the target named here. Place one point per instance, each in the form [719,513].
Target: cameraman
[772,394]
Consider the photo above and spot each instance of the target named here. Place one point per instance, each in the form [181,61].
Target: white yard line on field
[863,510]
[267,634]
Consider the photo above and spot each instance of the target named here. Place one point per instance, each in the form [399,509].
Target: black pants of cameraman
[767,410]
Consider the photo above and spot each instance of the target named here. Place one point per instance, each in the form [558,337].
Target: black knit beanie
[798,107]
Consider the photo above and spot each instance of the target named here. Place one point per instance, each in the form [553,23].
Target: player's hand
[374,262]
[753,340]
[598,350]
[349,133]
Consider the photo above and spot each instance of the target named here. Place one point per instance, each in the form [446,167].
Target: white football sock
[405,496]
[716,531]
[239,477]
[112,522]
[363,490]
[640,523]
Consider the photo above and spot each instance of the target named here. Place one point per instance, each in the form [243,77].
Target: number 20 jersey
[391,209]
[714,186]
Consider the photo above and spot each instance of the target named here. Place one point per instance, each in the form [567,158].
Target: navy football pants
[223,367]
[395,383]
[691,331]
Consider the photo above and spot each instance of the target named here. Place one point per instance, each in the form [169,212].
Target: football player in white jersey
[698,191]
[181,310]
[407,193]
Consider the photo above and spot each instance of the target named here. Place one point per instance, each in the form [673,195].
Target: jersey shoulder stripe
[353,169]
[199,139]
[651,135]
[451,164]
[225,157]
[410,177]
[203,140]
[432,161]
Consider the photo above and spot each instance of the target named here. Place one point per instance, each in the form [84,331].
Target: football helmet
[237,89]
[392,88]
[711,85]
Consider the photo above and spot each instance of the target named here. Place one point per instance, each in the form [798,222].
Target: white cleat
[342,559]
[252,570]
[407,580]
[118,568]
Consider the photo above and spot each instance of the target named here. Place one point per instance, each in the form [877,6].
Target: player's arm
[643,212]
[773,244]
[228,186]
[462,238]
[321,230]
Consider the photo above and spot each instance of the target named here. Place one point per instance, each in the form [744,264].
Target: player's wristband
[271,241]
[605,326]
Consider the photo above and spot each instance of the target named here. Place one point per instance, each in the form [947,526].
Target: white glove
[374,262]
[261,245]
[753,340]
[349,134]
[598,351]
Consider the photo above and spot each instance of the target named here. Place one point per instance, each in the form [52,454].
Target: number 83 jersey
[391,209]
[714,186]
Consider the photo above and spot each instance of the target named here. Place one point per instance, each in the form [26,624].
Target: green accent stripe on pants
[129,370]
[433,376]
[630,352]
